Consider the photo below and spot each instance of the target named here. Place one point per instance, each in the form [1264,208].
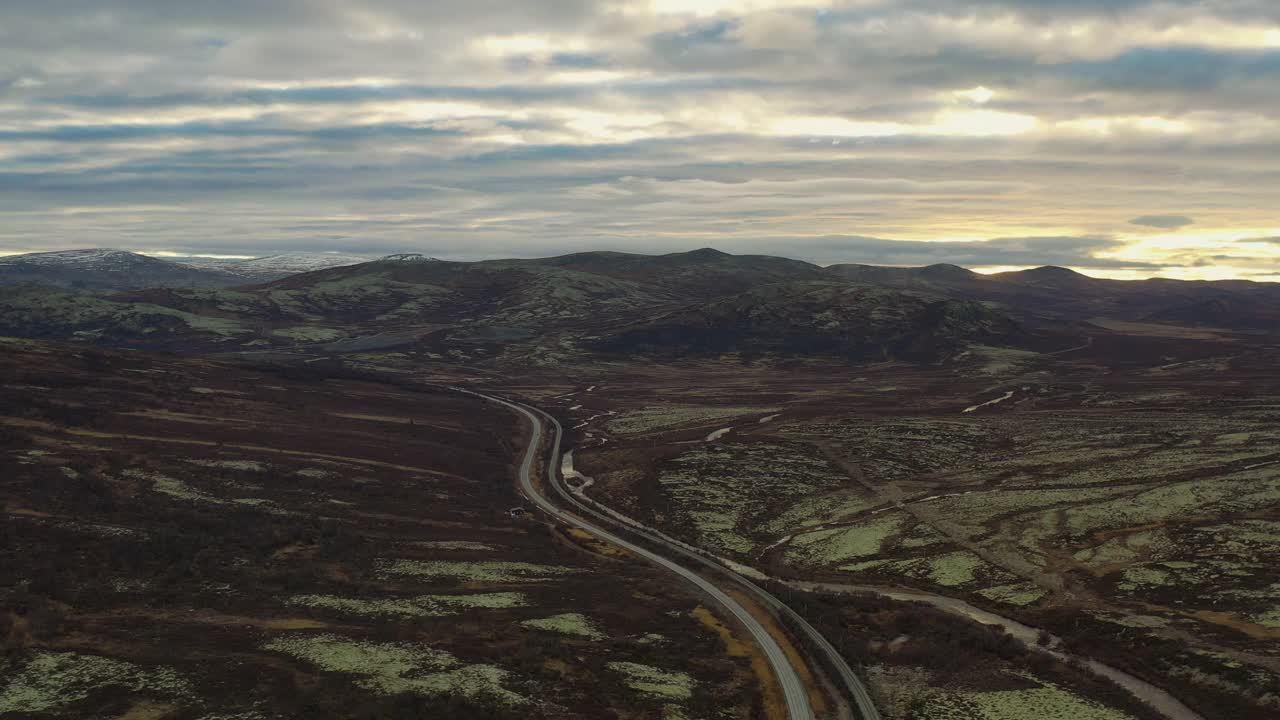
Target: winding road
[794,692]
[797,700]
[796,697]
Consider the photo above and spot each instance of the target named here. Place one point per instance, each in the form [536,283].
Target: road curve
[866,708]
[793,690]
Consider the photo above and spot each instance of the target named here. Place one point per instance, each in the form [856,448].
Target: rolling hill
[855,322]
[274,267]
[106,269]
[573,307]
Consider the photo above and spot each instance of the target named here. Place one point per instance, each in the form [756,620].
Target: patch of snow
[94,257]
[1000,399]
[589,420]
[781,541]
[568,472]
[274,266]
[718,434]
[408,258]
[214,391]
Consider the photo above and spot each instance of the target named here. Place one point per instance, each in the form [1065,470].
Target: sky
[1121,138]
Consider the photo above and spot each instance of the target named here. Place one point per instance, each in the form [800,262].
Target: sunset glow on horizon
[1123,139]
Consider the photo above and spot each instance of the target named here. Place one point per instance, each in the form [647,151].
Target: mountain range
[273,267]
[601,304]
[106,269]
[101,269]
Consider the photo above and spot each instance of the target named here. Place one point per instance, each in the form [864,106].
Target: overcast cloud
[1119,137]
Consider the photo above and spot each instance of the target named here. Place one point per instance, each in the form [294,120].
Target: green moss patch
[172,487]
[828,547]
[955,568]
[573,624]
[489,571]
[1046,702]
[1144,576]
[1043,703]
[737,499]
[421,606]
[454,545]
[1270,618]
[394,668]
[650,680]
[50,681]
[1017,594]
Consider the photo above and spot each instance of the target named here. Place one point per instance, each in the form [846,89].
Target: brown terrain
[185,538]
[1033,494]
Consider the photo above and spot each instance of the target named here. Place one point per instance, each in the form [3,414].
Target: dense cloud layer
[1094,132]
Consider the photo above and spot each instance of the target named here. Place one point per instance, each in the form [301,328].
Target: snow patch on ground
[718,434]
[1002,398]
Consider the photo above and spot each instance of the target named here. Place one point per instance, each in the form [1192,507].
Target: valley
[900,459]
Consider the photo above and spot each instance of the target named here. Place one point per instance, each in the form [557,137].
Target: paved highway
[857,691]
[793,690]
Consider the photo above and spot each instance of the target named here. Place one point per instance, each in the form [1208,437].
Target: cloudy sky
[1123,138]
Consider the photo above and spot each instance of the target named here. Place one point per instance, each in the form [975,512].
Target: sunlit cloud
[980,95]
[955,123]
[1130,140]
[718,7]
[1112,125]
[529,44]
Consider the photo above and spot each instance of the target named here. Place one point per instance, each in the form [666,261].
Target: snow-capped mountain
[98,258]
[408,258]
[106,269]
[274,267]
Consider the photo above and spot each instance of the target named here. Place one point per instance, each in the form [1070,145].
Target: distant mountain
[563,309]
[1232,313]
[408,258]
[704,273]
[931,276]
[1049,296]
[106,269]
[274,267]
[1049,276]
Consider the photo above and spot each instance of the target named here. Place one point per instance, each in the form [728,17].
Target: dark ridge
[947,271]
[702,254]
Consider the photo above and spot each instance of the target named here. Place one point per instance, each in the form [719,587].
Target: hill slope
[856,322]
[106,269]
[568,307]
[274,267]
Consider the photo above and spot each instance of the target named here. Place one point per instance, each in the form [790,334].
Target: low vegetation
[395,668]
[273,548]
